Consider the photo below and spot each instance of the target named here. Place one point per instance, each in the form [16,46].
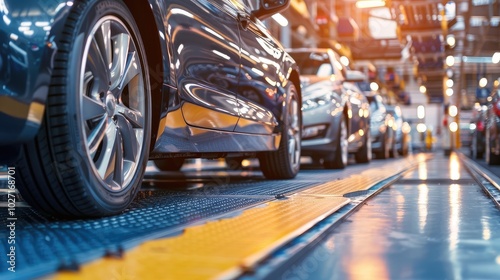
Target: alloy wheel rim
[368,144]
[113,103]
[344,142]
[294,133]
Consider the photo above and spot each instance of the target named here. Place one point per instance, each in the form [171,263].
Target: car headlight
[316,102]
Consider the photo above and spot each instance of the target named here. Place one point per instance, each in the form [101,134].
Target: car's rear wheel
[338,158]
[91,152]
[364,154]
[404,147]
[169,164]
[385,147]
[491,157]
[234,163]
[393,152]
[285,162]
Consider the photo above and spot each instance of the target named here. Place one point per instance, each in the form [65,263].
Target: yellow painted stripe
[362,181]
[225,248]
[217,249]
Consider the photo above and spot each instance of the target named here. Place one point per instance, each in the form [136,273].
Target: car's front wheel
[338,158]
[285,162]
[364,154]
[91,152]
[492,157]
[169,164]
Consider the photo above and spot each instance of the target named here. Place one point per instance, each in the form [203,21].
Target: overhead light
[344,60]
[421,111]
[280,19]
[453,127]
[423,89]
[450,40]
[483,82]
[450,60]
[374,86]
[362,4]
[453,111]
[495,58]
[449,83]
[449,91]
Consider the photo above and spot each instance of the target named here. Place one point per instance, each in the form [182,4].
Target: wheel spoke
[103,41]
[120,49]
[118,175]
[131,70]
[97,135]
[97,65]
[92,108]
[130,143]
[291,148]
[105,164]
[133,116]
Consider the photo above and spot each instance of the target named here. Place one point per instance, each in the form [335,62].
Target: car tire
[393,153]
[491,157]
[364,154]
[89,157]
[234,163]
[384,147]
[339,158]
[404,147]
[285,162]
[476,153]
[169,164]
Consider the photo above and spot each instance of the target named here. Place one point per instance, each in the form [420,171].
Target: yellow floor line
[217,249]
[227,247]
[360,182]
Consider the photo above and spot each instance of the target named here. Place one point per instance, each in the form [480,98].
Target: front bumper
[324,140]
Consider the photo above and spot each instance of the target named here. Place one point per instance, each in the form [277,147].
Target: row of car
[341,116]
[485,129]
[92,90]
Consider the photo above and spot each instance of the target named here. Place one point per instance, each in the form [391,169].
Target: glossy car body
[401,130]
[477,129]
[331,104]
[381,126]
[492,135]
[182,79]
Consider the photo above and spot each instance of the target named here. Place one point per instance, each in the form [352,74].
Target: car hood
[314,85]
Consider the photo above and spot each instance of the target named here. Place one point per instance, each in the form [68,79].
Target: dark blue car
[90,90]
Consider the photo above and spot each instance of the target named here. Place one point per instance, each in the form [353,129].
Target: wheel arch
[347,108]
[148,18]
[295,79]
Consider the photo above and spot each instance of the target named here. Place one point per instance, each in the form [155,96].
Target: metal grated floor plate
[45,245]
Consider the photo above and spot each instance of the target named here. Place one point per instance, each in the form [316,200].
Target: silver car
[336,114]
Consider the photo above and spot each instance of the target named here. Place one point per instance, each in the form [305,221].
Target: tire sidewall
[291,89]
[103,196]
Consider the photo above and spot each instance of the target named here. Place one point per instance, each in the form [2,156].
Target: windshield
[364,86]
[373,103]
[313,63]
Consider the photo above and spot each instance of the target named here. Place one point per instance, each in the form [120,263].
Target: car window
[313,63]
[373,103]
[363,86]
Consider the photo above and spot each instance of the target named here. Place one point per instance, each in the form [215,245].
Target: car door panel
[260,64]
[207,76]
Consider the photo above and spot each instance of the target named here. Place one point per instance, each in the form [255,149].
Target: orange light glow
[362,4]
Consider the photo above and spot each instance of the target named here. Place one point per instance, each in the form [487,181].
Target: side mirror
[354,76]
[268,8]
